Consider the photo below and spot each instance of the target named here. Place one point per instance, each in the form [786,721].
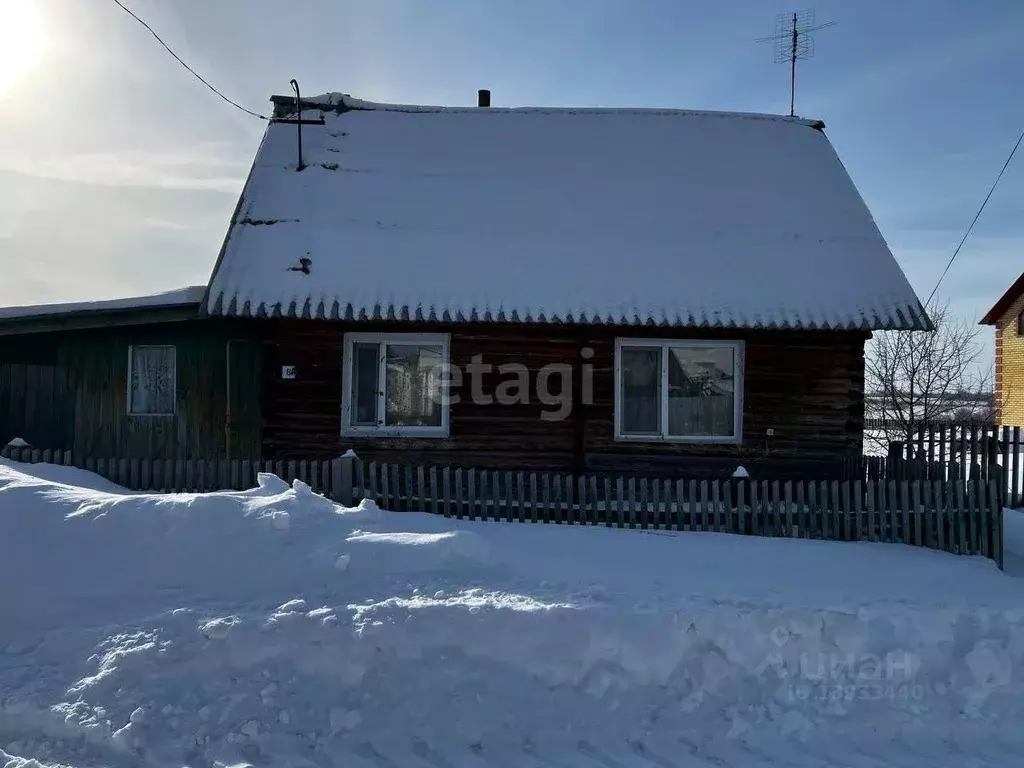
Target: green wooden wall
[68,390]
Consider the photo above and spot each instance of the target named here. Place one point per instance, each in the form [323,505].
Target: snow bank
[272,627]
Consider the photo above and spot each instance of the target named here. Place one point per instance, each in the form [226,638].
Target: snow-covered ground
[272,628]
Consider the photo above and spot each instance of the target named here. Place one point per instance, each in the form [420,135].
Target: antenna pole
[792,70]
[794,39]
[298,124]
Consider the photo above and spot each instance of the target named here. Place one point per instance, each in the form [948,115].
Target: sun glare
[21,40]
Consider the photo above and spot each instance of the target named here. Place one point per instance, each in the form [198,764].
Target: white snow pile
[273,628]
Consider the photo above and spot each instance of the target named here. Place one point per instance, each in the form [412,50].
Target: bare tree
[916,377]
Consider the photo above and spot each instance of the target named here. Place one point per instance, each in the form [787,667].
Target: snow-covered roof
[192,294]
[624,216]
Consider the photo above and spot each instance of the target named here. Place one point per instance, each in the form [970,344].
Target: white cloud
[212,166]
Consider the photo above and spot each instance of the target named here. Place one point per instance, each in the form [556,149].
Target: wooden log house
[651,291]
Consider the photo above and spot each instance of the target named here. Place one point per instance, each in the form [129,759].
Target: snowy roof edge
[902,318]
[191,295]
[343,102]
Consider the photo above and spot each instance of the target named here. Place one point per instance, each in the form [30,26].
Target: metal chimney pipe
[483,98]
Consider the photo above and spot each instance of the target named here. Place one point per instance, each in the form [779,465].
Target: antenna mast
[794,39]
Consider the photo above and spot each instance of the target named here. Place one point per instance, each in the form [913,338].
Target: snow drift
[271,627]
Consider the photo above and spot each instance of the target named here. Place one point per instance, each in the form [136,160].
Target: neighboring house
[136,377]
[1007,315]
[658,291]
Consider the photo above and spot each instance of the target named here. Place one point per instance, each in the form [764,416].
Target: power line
[199,77]
[976,217]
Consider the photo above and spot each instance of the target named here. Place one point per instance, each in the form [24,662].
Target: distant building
[1007,315]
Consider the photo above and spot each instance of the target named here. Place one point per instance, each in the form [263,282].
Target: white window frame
[350,340]
[128,383]
[664,345]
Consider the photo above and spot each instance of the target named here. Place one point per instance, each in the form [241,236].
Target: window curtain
[152,380]
[413,385]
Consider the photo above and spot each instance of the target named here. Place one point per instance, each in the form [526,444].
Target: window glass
[701,391]
[641,390]
[151,381]
[365,384]
[413,385]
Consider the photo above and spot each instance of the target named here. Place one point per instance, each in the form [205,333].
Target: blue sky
[118,171]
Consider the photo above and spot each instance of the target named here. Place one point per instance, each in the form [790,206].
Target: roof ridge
[343,102]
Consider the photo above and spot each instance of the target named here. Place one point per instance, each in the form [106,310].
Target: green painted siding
[69,390]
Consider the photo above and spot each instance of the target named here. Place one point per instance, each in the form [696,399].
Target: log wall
[806,386]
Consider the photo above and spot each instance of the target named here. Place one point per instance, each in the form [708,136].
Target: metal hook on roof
[298,124]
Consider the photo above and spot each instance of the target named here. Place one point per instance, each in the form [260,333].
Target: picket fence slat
[653,499]
[542,503]
[435,503]
[926,516]
[446,485]
[982,544]
[490,495]
[421,489]
[496,485]
[531,499]
[755,513]
[836,518]
[961,534]
[858,511]
[972,520]
[916,519]
[1015,478]
[385,485]
[996,512]
[764,508]
[521,497]
[400,492]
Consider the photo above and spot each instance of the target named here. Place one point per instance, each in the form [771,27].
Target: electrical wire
[976,217]
[199,77]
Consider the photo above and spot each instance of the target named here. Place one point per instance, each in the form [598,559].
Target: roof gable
[571,215]
[1005,303]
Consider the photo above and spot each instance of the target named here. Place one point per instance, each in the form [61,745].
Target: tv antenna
[794,39]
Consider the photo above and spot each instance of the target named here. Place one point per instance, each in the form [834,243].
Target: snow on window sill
[427,432]
[694,440]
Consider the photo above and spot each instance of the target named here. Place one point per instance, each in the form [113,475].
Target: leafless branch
[916,377]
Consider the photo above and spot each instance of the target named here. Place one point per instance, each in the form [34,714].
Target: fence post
[341,479]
